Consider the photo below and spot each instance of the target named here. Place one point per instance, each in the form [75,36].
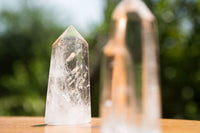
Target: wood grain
[37,125]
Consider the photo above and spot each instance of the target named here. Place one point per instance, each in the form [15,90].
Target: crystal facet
[68,95]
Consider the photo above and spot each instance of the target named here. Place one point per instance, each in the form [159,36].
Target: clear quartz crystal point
[140,37]
[68,95]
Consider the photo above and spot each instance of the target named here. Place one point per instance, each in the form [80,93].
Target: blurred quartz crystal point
[134,27]
[118,103]
[68,95]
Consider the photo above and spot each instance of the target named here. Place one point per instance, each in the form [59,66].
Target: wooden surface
[36,125]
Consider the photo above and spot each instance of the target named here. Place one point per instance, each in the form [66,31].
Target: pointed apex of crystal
[70,32]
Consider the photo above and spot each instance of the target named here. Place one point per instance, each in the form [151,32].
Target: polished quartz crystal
[68,95]
[133,27]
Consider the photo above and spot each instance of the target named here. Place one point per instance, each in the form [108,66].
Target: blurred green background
[27,33]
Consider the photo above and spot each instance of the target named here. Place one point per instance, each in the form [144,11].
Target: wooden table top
[36,125]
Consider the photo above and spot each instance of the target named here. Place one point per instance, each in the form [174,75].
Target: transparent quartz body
[133,28]
[68,95]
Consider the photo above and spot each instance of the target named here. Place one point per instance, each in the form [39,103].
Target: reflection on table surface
[37,125]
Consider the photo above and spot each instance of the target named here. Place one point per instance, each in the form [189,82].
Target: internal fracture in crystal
[68,95]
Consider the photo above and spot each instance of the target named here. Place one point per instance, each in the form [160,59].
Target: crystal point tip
[70,32]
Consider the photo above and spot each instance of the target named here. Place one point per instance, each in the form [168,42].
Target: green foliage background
[25,47]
